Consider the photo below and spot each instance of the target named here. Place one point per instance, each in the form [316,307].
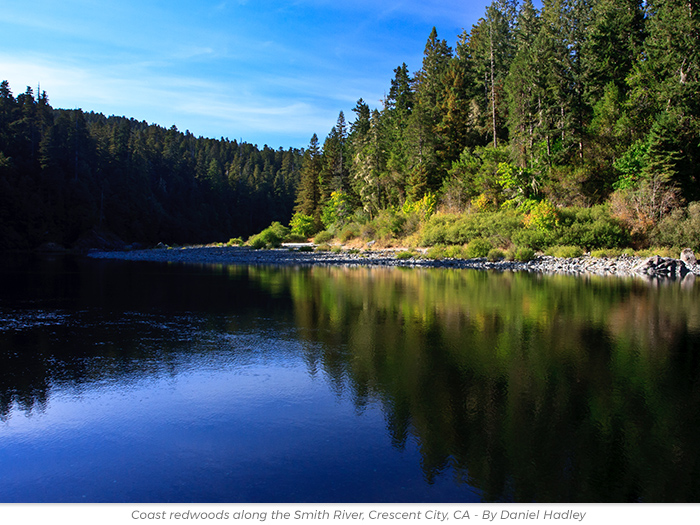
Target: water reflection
[529,387]
[515,387]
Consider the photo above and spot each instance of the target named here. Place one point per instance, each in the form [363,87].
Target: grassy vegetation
[510,234]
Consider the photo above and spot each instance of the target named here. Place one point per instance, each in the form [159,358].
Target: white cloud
[207,108]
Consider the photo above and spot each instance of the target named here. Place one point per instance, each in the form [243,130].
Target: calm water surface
[123,381]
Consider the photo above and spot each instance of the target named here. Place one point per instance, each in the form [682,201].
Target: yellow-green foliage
[524,254]
[541,216]
[303,225]
[454,252]
[453,228]
[436,252]
[495,255]
[323,237]
[477,248]
[405,255]
[568,252]
[270,237]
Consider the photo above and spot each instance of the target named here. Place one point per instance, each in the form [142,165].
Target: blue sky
[266,72]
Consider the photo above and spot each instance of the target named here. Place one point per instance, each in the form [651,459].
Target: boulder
[662,267]
[688,257]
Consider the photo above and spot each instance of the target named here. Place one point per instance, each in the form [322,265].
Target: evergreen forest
[573,124]
[82,179]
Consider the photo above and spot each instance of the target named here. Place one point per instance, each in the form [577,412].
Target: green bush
[524,254]
[434,231]
[368,231]
[436,252]
[294,238]
[405,255]
[337,210]
[477,248]
[389,224]
[323,237]
[463,228]
[533,239]
[591,227]
[681,228]
[270,237]
[256,242]
[568,252]
[235,241]
[454,252]
[349,232]
[495,255]
[303,225]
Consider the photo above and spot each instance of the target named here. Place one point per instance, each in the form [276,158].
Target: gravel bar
[621,266]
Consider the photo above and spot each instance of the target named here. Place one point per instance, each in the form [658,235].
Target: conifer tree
[524,87]
[428,86]
[309,193]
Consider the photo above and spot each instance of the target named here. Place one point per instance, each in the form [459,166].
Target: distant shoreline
[623,266]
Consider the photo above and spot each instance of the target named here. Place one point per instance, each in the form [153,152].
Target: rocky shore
[653,267]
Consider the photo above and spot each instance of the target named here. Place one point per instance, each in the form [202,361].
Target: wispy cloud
[267,71]
[209,108]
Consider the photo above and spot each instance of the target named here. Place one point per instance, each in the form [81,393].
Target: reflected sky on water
[153,382]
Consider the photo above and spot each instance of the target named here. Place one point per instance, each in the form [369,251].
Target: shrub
[256,242]
[524,254]
[541,216]
[270,237]
[495,255]
[349,232]
[661,251]
[389,224]
[477,248]
[235,241]
[454,252]
[591,227]
[323,237]
[303,225]
[368,231]
[423,208]
[568,252]
[294,238]
[642,205]
[451,229]
[436,252]
[680,228]
[534,239]
[405,255]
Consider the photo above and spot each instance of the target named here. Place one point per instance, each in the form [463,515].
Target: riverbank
[293,256]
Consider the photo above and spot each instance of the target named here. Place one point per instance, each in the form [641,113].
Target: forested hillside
[577,123]
[66,173]
[584,104]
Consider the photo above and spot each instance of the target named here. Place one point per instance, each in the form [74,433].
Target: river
[154,382]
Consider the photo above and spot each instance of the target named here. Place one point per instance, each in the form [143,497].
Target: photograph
[386,261]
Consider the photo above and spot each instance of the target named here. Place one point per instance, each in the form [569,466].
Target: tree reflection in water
[526,387]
